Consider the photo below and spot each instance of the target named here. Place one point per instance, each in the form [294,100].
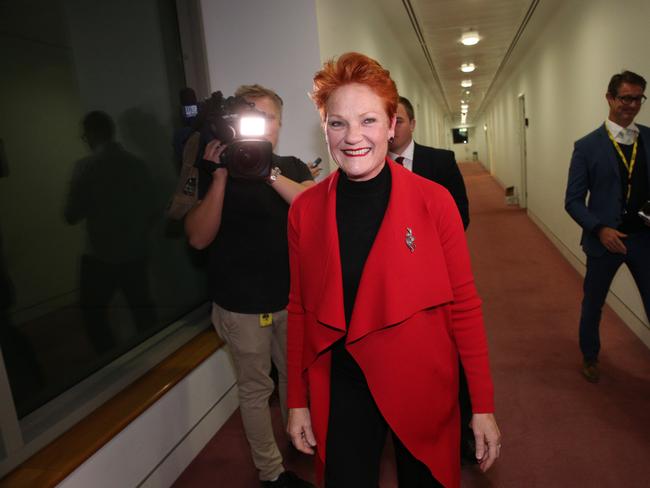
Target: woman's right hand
[299,430]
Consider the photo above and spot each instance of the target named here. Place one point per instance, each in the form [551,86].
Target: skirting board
[156,447]
[184,453]
[630,319]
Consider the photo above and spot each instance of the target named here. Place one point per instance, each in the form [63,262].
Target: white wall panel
[564,72]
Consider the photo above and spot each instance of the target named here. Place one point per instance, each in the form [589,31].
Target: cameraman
[244,224]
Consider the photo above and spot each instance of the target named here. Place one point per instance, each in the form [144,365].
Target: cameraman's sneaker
[287,479]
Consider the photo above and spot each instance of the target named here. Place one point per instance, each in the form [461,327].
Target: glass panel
[3,450]
[90,266]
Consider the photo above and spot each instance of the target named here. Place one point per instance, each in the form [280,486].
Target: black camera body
[246,157]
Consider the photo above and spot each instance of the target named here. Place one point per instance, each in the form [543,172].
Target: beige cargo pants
[252,347]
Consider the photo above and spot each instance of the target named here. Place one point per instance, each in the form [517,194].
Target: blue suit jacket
[595,170]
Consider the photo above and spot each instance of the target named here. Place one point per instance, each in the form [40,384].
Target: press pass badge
[266,319]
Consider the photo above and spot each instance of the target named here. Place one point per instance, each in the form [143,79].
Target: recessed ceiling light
[466,92]
[464,107]
[466,83]
[470,38]
[467,67]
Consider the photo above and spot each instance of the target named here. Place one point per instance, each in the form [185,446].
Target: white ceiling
[439,24]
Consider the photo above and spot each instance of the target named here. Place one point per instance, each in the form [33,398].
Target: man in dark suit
[611,164]
[437,165]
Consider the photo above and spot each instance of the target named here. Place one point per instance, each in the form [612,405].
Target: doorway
[523,125]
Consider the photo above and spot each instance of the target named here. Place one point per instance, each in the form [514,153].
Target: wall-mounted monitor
[460,136]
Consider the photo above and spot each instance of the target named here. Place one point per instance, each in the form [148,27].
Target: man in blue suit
[611,164]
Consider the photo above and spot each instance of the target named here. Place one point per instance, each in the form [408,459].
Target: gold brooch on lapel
[410,239]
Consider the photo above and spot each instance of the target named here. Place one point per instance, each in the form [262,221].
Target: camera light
[252,126]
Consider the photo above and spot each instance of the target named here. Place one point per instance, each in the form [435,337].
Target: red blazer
[415,311]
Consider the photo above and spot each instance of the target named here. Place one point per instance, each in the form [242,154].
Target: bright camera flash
[252,126]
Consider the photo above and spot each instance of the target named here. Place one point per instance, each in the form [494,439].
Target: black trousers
[357,433]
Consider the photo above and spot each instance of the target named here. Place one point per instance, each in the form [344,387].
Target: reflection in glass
[90,267]
[112,192]
[3,450]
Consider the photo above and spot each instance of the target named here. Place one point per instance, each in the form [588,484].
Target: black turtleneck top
[360,209]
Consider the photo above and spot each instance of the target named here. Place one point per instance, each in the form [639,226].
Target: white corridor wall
[563,68]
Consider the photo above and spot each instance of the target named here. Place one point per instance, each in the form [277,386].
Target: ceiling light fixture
[470,38]
[467,67]
[464,107]
[466,83]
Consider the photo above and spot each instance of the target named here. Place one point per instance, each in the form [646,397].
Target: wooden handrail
[57,460]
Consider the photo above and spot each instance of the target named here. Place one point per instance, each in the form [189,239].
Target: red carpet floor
[558,430]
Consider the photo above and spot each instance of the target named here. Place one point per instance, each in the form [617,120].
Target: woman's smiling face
[357,130]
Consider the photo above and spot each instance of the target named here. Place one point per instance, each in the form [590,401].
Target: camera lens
[247,157]
[250,159]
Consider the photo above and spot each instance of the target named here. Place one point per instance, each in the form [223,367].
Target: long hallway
[558,430]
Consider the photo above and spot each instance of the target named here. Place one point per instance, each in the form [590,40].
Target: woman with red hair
[382,302]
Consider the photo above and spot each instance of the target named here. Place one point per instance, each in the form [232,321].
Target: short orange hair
[354,68]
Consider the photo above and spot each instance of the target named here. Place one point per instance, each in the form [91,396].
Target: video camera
[241,127]
[233,121]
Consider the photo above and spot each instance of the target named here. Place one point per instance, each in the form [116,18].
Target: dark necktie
[400,160]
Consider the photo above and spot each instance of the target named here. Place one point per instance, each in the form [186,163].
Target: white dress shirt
[623,135]
[407,154]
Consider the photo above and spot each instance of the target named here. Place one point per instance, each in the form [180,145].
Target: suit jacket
[414,313]
[595,170]
[439,165]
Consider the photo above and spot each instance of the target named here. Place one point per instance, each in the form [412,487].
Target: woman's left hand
[488,439]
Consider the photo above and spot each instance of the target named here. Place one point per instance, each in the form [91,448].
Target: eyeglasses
[629,100]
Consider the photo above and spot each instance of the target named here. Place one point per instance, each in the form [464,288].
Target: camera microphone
[189,105]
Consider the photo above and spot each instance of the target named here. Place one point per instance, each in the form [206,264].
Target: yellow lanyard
[628,166]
